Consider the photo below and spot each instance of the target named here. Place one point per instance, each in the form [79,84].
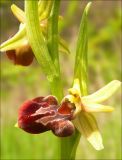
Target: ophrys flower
[45,113]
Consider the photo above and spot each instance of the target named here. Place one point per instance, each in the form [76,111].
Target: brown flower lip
[21,56]
[43,114]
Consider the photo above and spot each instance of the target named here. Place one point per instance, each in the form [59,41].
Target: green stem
[56,84]
[69,144]
[37,41]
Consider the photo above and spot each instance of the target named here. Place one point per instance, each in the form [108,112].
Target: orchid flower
[44,113]
[17,48]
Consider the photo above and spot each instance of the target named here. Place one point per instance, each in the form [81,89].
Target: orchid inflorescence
[43,114]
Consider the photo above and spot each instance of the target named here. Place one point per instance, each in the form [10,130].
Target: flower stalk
[53,46]
[37,41]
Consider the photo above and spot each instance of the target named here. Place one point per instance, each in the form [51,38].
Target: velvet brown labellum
[21,56]
[41,114]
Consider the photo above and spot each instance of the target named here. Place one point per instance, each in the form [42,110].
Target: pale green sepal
[16,125]
[17,40]
[87,126]
[18,13]
[94,107]
[104,93]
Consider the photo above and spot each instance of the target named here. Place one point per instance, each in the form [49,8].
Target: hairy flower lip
[41,114]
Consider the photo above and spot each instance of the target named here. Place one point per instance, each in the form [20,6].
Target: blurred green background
[21,83]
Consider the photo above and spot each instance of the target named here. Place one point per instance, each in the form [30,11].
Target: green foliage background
[21,83]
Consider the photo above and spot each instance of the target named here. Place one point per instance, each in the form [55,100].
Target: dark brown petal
[21,56]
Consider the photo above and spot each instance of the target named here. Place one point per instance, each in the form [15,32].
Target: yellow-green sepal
[103,93]
[87,126]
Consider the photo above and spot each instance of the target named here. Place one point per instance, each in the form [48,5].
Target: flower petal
[16,41]
[104,93]
[93,107]
[87,126]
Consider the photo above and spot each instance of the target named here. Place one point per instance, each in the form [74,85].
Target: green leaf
[80,70]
